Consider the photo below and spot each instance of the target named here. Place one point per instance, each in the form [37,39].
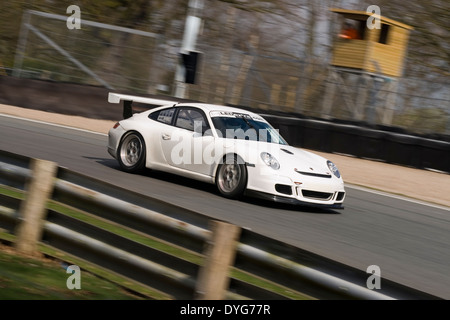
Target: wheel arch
[241,188]
[223,159]
[123,137]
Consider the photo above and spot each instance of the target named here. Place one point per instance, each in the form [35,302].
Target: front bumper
[292,201]
[295,188]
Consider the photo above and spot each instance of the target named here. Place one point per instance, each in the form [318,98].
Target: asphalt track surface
[408,240]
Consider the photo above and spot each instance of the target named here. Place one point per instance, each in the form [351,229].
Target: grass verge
[29,278]
[133,289]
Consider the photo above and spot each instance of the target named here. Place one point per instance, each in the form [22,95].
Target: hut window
[384,33]
[362,29]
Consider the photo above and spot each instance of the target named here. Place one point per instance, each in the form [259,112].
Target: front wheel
[131,152]
[231,178]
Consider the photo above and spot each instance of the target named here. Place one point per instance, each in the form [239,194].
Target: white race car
[237,150]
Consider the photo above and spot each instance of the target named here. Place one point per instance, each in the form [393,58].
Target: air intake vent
[317,195]
[287,151]
[340,196]
[283,188]
[313,174]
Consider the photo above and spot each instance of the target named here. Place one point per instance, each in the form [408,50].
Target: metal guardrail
[290,267]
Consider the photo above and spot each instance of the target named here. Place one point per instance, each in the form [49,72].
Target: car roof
[207,107]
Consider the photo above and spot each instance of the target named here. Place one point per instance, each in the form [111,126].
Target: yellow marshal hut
[374,50]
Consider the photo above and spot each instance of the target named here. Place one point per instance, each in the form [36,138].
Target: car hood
[290,158]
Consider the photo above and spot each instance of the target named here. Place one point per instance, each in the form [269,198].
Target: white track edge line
[52,124]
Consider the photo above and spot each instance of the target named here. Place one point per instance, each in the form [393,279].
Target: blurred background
[270,56]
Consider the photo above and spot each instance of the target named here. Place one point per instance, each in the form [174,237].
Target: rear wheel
[131,153]
[231,177]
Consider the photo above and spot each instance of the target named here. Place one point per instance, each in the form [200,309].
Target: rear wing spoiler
[129,99]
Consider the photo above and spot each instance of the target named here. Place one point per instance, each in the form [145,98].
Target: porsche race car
[236,150]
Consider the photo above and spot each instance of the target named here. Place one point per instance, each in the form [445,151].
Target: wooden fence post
[33,209]
[213,277]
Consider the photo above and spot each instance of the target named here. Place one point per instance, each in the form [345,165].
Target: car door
[189,139]
[162,131]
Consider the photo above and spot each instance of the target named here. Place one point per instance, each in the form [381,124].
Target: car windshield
[242,126]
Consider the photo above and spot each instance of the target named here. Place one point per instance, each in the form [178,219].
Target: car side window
[191,119]
[164,116]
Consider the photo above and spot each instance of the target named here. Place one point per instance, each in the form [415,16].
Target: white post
[191,30]
[21,44]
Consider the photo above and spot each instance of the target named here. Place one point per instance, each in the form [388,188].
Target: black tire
[231,177]
[131,152]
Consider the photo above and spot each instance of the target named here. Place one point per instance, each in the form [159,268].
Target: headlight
[270,160]
[333,169]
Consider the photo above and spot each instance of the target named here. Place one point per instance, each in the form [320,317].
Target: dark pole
[127,109]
